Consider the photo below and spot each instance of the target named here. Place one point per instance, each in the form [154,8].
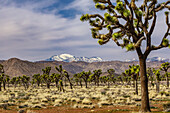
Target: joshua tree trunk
[86,83]
[80,84]
[0,86]
[108,84]
[48,85]
[136,86]
[4,84]
[167,79]
[144,85]
[70,83]
[157,86]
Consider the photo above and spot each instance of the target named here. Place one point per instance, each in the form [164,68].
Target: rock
[86,101]
[21,111]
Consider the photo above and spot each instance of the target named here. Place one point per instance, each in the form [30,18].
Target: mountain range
[70,58]
[17,67]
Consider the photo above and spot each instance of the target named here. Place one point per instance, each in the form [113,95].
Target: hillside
[17,67]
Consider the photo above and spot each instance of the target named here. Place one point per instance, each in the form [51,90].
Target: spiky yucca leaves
[165,42]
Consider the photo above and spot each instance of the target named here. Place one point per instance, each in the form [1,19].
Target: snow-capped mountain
[70,58]
[153,59]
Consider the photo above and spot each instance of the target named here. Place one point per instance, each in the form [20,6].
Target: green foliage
[100,6]
[165,42]
[95,1]
[119,6]
[126,13]
[157,73]
[84,17]
[109,18]
[130,47]
[117,35]
[166,12]
[138,13]
[101,41]
[126,41]
[135,22]
[108,27]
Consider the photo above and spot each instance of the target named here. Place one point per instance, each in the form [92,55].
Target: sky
[38,29]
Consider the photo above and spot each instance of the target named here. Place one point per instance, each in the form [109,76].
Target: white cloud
[28,33]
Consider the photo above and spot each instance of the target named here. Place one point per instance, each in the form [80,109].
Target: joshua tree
[111,75]
[164,67]
[61,85]
[56,77]
[120,79]
[85,76]
[78,77]
[13,81]
[128,74]
[135,75]
[37,78]
[97,74]
[25,81]
[129,23]
[60,70]
[46,76]
[150,76]
[5,80]
[68,78]
[158,78]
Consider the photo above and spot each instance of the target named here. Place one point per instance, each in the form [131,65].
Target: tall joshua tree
[164,67]
[129,23]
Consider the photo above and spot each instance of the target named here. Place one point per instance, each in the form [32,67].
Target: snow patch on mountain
[153,59]
[70,58]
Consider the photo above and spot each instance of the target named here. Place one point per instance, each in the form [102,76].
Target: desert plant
[47,77]
[97,74]
[157,78]
[130,32]
[164,67]
[68,78]
[37,79]
[150,76]
[135,75]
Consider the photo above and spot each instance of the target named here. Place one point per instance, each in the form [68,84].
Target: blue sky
[37,29]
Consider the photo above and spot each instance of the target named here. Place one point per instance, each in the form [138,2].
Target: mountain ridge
[17,67]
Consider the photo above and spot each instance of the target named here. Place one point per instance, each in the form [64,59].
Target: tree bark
[0,86]
[136,86]
[144,86]
[167,79]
